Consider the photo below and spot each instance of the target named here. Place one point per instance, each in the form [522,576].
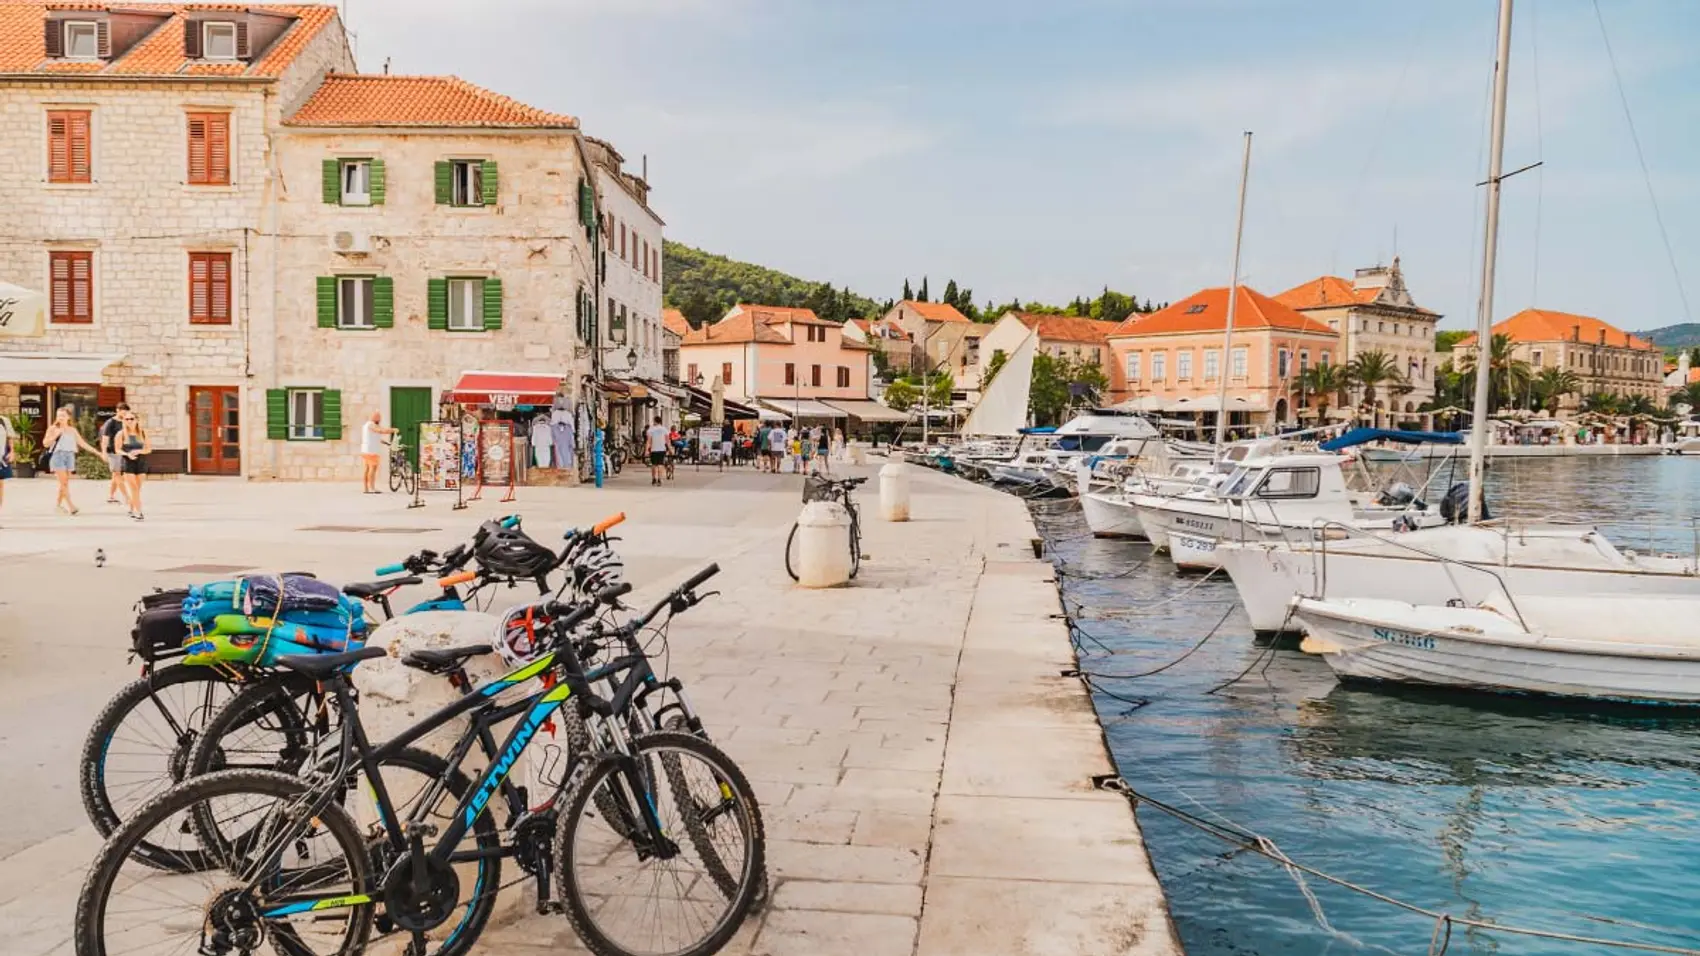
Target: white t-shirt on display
[371,443]
[657,437]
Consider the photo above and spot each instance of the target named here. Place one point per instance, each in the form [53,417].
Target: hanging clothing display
[562,429]
[542,441]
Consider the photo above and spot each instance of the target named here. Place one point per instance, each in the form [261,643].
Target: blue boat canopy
[1363,436]
[1040,430]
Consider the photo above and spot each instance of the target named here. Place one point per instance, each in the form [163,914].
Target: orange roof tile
[735,328]
[778,314]
[358,99]
[1067,328]
[1545,325]
[1207,310]
[1325,292]
[935,311]
[674,321]
[23,46]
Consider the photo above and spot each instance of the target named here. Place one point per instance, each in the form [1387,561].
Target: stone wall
[625,282]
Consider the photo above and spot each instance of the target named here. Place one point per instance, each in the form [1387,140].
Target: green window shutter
[333,182]
[492,304]
[376,185]
[327,302]
[586,205]
[489,177]
[445,183]
[437,304]
[383,302]
[277,414]
[333,414]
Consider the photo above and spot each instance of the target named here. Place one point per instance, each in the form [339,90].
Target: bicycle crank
[414,907]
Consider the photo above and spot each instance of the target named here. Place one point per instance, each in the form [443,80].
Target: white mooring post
[823,551]
[894,492]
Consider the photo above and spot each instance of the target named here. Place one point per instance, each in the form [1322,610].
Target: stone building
[1374,312]
[943,339]
[631,267]
[1072,337]
[1604,357]
[138,179]
[429,228]
[787,359]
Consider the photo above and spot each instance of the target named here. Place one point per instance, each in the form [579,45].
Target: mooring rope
[1083,673]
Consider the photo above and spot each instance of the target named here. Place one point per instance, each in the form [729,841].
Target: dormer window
[82,40]
[218,40]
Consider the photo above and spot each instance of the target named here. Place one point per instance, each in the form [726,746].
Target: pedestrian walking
[372,435]
[5,456]
[823,450]
[133,445]
[726,436]
[657,438]
[62,441]
[760,447]
[776,446]
[109,431]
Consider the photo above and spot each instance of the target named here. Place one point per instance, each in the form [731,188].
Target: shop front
[39,384]
[514,428]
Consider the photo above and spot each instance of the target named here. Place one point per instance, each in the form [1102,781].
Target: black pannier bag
[159,632]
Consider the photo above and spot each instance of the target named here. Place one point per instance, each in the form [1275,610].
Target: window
[790,374]
[814,375]
[1379,326]
[71,275]
[354,303]
[209,149]
[843,377]
[466,305]
[617,325]
[1212,364]
[691,373]
[1159,371]
[817,333]
[726,373]
[68,146]
[1183,366]
[306,414]
[1283,363]
[1304,360]
[82,40]
[1334,324]
[1239,360]
[466,182]
[356,182]
[209,288]
[218,40]
[1290,483]
[1195,309]
[623,242]
[1133,366]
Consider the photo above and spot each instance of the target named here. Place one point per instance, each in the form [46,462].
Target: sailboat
[1583,633]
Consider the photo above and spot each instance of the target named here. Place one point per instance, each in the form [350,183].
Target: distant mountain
[1684,336]
[703,286]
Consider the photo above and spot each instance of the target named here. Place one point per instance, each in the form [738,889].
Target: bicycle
[280,883]
[821,488]
[402,473]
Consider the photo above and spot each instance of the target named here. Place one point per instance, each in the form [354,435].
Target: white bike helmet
[598,568]
[523,634]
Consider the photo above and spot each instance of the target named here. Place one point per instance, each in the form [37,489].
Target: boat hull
[1111,516]
[1382,650]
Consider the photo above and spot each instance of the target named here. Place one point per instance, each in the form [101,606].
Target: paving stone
[1072,841]
[894,899]
[903,830]
[821,933]
[1029,918]
[816,861]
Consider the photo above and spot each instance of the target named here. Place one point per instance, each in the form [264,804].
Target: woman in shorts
[133,445]
[62,441]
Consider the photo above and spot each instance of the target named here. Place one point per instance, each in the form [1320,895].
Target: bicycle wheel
[410,480]
[140,744]
[397,467]
[789,541]
[626,895]
[855,543]
[242,902]
[264,727]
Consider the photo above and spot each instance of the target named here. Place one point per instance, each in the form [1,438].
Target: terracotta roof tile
[674,321]
[1545,325]
[935,311]
[1325,292]
[1067,328]
[779,314]
[350,99]
[1207,310]
[736,328]
[159,53]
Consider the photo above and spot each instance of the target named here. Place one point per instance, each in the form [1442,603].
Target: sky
[1044,150]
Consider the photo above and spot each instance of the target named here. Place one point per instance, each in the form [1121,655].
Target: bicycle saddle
[372,589]
[321,666]
[441,660]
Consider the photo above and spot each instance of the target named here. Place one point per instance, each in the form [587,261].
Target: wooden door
[215,426]
[409,407]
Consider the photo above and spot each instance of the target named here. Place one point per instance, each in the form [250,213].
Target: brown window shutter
[192,39]
[59,308]
[58,148]
[219,275]
[242,39]
[103,39]
[218,146]
[199,311]
[82,287]
[55,37]
[197,148]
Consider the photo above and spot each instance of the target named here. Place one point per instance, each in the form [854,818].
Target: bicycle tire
[855,543]
[396,479]
[752,875]
[789,540]
[268,698]
[94,784]
[97,887]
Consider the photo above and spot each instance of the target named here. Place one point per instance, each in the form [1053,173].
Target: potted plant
[24,447]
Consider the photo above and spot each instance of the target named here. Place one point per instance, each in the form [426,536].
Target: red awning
[506,388]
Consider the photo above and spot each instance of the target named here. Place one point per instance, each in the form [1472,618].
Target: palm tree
[1550,385]
[1369,370]
[1323,382]
[1508,375]
[1601,403]
[1636,405]
[1687,395]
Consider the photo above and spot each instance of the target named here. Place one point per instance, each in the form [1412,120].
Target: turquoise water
[1562,818]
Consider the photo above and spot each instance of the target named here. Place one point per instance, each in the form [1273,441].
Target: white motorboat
[1432,566]
[1088,433]
[1634,649]
[1110,513]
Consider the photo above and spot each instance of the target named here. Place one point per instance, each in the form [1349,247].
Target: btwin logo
[500,771]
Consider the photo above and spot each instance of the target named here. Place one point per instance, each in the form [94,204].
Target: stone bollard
[858,454]
[894,492]
[823,545]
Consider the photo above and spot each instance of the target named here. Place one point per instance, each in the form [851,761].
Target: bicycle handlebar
[458,578]
[390,569]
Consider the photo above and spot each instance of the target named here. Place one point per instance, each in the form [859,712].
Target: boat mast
[1233,299]
[1490,250]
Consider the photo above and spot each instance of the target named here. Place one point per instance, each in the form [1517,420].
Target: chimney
[1602,336]
[1576,333]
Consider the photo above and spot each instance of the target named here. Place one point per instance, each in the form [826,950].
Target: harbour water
[1567,819]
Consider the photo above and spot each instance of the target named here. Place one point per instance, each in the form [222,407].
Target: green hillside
[703,286]
[1684,336]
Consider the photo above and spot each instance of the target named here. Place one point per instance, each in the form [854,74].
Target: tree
[1694,357]
[995,364]
[700,309]
[1550,386]
[1051,395]
[950,295]
[901,394]
[908,293]
[1687,395]
[882,364]
[1321,384]
[923,296]
[1445,339]
[1369,370]
[1601,403]
[1636,405]
[1508,376]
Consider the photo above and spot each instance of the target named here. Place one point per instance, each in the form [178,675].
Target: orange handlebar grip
[458,578]
[602,526]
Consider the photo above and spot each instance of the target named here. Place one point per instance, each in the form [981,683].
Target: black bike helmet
[511,552]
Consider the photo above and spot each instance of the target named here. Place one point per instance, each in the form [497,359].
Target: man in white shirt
[655,439]
[777,441]
[371,449]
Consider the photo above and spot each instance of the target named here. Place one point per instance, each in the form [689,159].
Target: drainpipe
[274,181]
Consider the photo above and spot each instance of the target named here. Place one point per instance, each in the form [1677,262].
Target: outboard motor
[1397,494]
[1455,507]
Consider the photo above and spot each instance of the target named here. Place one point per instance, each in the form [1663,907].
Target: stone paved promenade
[923,769]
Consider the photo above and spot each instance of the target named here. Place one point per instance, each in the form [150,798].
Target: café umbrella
[23,312]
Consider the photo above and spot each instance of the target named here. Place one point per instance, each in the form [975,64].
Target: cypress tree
[923,296]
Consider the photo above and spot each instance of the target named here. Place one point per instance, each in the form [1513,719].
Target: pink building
[778,355]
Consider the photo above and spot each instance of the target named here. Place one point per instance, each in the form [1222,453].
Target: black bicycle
[656,841]
[402,473]
[822,488]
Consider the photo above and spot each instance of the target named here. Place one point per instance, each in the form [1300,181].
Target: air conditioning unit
[352,243]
